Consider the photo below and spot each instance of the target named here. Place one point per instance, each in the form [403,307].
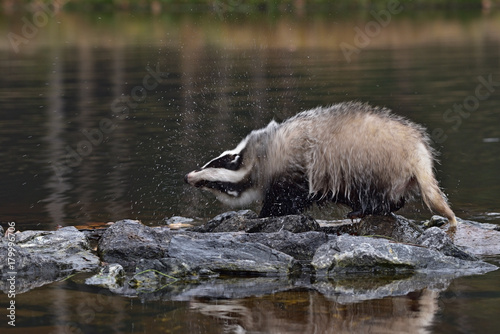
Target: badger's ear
[272,124]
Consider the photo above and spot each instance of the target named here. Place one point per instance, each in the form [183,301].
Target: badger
[349,153]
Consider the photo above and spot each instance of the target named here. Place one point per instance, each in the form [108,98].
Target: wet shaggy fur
[349,153]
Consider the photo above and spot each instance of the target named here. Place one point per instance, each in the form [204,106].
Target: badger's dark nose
[186,178]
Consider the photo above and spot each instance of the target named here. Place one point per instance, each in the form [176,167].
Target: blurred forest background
[248,6]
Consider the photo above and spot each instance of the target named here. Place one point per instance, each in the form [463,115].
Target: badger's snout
[191,179]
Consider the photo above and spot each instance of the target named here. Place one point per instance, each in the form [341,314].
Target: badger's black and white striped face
[228,177]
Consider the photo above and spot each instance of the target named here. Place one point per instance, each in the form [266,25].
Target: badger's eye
[235,163]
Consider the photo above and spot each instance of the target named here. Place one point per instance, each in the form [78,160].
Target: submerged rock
[110,276]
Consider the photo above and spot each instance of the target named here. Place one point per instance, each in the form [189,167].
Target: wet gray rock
[240,244]
[134,245]
[477,238]
[225,254]
[248,221]
[407,248]
[66,248]
[437,239]
[173,266]
[301,246]
[41,257]
[128,241]
[350,254]
[394,227]
[231,221]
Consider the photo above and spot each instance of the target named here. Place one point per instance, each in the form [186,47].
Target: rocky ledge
[132,257]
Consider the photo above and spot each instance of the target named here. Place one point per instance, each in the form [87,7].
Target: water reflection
[56,200]
[262,305]
[240,305]
[310,312]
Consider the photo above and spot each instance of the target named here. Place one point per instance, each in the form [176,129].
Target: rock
[435,220]
[188,254]
[346,226]
[128,241]
[292,223]
[301,246]
[223,253]
[477,238]
[394,227]
[282,247]
[248,221]
[150,280]
[67,247]
[437,239]
[231,221]
[173,266]
[42,257]
[110,276]
[349,254]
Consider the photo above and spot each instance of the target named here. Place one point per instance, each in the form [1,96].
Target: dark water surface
[102,115]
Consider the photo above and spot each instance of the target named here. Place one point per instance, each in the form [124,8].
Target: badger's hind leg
[373,203]
[381,210]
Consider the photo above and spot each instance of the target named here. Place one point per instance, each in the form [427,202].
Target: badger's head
[229,177]
[234,176]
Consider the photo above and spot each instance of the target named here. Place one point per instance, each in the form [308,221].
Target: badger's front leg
[284,197]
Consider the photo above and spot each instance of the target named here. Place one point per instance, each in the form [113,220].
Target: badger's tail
[431,194]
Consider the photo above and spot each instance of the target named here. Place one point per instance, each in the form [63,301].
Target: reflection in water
[244,305]
[117,207]
[57,186]
[310,312]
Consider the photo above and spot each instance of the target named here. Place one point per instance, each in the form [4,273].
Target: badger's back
[349,146]
[364,156]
